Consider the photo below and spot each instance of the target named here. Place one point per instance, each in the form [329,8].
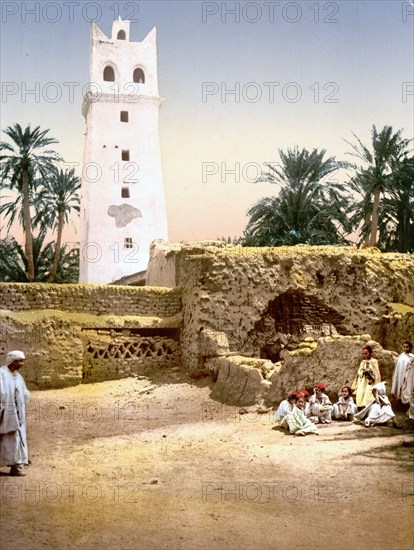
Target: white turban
[380,387]
[14,356]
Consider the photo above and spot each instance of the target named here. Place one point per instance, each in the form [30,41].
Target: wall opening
[125,154]
[124,116]
[139,76]
[290,317]
[109,74]
[121,35]
[125,193]
[128,242]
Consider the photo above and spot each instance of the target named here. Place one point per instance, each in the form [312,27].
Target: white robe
[284,408]
[14,397]
[407,393]
[297,422]
[376,413]
[402,378]
[345,403]
[320,408]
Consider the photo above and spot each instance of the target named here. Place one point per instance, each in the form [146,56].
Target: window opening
[109,74]
[139,76]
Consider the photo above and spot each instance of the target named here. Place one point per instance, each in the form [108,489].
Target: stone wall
[245,381]
[305,291]
[294,314]
[111,354]
[94,299]
[395,326]
[62,327]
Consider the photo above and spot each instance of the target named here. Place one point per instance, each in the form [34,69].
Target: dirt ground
[156,464]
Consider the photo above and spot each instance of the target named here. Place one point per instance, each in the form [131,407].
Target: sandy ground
[156,464]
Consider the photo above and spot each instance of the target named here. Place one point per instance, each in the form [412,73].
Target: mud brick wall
[94,299]
[48,322]
[232,289]
[109,355]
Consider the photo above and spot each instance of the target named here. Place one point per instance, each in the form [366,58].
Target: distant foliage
[14,264]
[309,209]
[383,190]
[46,197]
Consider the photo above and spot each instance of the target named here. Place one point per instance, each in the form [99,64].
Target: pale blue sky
[362,60]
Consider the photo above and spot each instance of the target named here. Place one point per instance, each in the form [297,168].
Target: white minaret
[123,203]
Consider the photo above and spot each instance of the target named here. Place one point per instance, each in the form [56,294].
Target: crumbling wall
[395,326]
[52,345]
[282,311]
[111,354]
[126,330]
[94,299]
[245,381]
[307,290]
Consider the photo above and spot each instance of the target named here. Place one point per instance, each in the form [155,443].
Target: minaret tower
[123,203]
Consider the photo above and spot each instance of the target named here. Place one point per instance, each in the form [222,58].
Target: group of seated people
[301,412]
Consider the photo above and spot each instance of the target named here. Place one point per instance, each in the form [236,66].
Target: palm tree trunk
[53,271]
[374,221]
[28,227]
[367,236]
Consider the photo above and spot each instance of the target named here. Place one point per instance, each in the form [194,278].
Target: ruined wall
[114,353]
[395,326]
[307,291]
[245,381]
[86,333]
[232,308]
[94,299]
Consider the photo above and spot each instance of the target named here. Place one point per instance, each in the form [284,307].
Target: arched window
[109,74]
[121,35]
[139,76]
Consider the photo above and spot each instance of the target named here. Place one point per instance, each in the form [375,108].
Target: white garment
[377,413]
[298,423]
[399,382]
[284,408]
[345,403]
[320,408]
[14,397]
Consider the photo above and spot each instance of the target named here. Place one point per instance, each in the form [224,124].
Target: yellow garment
[361,383]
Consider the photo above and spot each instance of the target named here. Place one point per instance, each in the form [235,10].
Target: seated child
[306,408]
[297,422]
[345,408]
[379,411]
[285,407]
[320,405]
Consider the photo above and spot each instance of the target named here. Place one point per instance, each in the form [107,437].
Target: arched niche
[138,76]
[109,74]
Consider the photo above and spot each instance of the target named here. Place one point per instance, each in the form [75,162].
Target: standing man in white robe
[14,397]
[402,380]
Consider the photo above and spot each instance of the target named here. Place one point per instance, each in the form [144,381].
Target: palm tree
[56,201]
[14,263]
[20,163]
[372,176]
[307,210]
[396,217]
[301,167]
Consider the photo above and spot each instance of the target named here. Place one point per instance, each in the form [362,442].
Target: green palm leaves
[28,166]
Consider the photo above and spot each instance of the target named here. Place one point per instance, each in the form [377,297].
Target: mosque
[123,202]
